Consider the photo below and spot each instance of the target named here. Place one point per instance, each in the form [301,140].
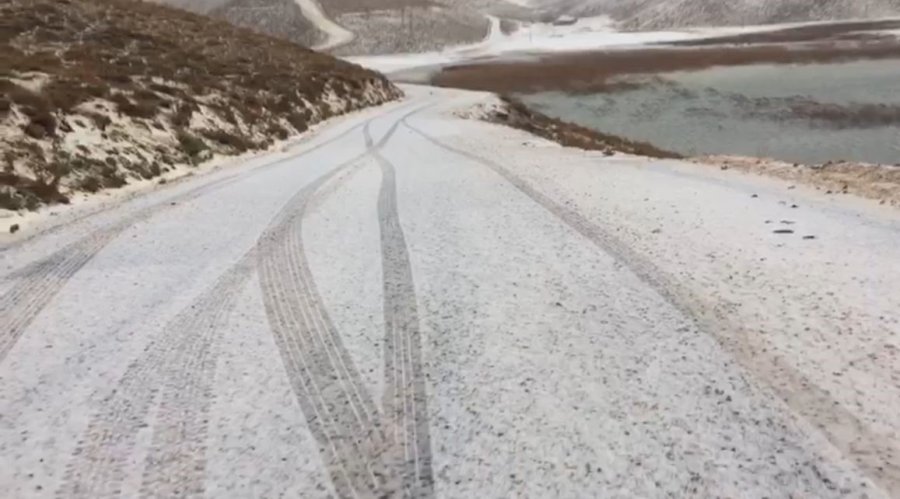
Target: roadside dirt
[515,114]
[877,182]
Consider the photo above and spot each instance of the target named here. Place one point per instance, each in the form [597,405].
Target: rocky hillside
[660,14]
[98,93]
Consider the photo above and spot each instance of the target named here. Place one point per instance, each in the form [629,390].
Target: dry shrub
[141,109]
[191,145]
[299,120]
[277,131]
[236,142]
[182,115]
[100,121]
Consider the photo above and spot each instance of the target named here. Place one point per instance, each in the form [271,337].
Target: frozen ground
[594,33]
[416,304]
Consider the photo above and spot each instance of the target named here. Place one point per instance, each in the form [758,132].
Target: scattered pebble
[755,196]
[809,237]
[794,206]
[783,231]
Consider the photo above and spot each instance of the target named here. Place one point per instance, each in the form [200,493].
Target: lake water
[799,113]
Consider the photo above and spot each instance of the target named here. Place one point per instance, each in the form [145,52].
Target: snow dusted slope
[659,14]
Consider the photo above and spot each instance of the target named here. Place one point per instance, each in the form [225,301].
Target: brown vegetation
[517,115]
[857,115]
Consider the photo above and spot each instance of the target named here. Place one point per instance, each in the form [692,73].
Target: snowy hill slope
[657,14]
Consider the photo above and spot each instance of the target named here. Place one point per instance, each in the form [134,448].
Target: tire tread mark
[176,363]
[42,280]
[176,463]
[405,397]
[339,411]
[21,304]
[875,454]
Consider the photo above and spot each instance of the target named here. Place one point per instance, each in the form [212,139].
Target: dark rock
[783,231]
[13,228]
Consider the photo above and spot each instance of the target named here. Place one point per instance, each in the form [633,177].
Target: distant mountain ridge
[391,26]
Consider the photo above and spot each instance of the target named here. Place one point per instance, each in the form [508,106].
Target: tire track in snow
[339,411]
[40,281]
[873,453]
[176,373]
[177,369]
[404,400]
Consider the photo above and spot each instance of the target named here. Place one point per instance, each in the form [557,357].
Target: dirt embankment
[877,182]
[515,114]
[96,93]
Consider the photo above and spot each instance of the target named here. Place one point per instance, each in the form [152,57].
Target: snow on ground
[475,313]
[593,33]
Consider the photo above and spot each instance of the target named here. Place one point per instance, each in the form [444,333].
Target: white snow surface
[570,324]
[592,33]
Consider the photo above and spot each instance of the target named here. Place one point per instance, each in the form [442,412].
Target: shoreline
[875,182]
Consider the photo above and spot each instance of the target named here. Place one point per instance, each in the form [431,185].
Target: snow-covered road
[413,304]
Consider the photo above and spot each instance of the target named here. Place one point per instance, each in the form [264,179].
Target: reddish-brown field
[598,71]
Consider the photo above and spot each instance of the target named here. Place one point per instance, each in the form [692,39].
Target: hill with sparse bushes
[97,93]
